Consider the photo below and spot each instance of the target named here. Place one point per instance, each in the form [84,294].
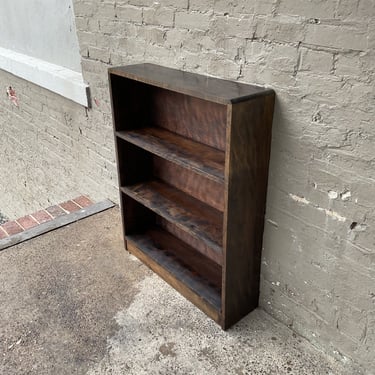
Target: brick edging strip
[56,223]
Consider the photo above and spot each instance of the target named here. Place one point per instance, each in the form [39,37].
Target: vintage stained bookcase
[192,155]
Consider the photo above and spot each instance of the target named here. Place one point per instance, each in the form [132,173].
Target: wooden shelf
[192,157]
[196,218]
[187,270]
[196,85]
[204,160]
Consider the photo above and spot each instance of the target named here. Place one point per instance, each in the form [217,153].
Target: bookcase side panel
[248,158]
[131,101]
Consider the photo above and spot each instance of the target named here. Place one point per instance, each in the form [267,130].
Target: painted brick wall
[51,150]
[318,266]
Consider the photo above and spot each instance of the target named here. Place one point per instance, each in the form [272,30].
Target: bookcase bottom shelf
[189,272]
[195,217]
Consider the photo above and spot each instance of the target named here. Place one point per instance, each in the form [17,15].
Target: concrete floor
[74,302]
[3,218]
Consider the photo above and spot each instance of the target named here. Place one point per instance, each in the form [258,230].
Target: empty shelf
[186,268]
[191,215]
[202,159]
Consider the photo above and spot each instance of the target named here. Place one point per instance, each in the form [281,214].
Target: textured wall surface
[41,29]
[51,150]
[318,269]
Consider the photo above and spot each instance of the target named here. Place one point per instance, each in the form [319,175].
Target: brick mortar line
[1,228]
[37,219]
[66,212]
[76,203]
[55,224]
[16,221]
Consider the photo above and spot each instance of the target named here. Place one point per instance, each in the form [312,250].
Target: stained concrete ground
[3,218]
[74,302]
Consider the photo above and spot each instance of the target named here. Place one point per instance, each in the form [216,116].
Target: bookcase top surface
[204,87]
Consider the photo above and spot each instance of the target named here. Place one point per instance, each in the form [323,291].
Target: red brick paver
[41,216]
[27,222]
[83,201]
[12,227]
[2,233]
[30,221]
[70,206]
[55,211]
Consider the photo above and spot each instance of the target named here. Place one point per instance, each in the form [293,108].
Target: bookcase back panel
[194,118]
[204,189]
[141,166]
[135,162]
[195,243]
[142,222]
[137,105]
[137,218]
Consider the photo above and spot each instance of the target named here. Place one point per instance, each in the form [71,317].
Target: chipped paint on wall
[328,212]
[11,92]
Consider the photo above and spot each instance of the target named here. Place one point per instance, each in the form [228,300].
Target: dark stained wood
[206,161]
[187,259]
[137,217]
[190,240]
[129,99]
[192,155]
[204,87]
[133,172]
[248,158]
[193,118]
[205,190]
[162,253]
[189,214]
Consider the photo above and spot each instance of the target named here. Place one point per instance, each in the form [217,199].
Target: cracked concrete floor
[74,302]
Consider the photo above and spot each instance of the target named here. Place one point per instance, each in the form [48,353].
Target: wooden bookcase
[192,156]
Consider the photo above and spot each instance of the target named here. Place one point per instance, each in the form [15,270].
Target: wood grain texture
[175,131]
[199,187]
[190,240]
[180,266]
[188,260]
[189,214]
[204,160]
[204,87]
[191,117]
[249,150]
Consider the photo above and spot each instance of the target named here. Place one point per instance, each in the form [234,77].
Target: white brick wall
[318,266]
